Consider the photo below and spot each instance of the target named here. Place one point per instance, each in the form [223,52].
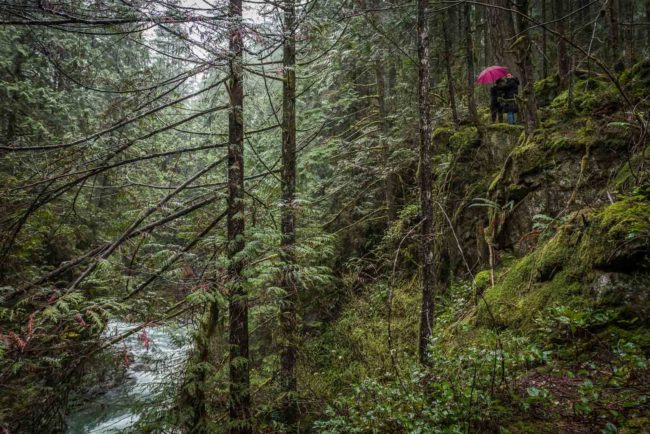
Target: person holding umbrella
[510,91]
[502,94]
[496,98]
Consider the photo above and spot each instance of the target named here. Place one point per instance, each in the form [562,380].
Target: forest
[324,216]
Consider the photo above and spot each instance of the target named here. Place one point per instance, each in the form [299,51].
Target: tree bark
[426,203]
[646,47]
[544,42]
[469,58]
[614,33]
[389,180]
[524,62]
[563,60]
[450,78]
[288,310]
[501,30]
[628,11]
[239,400]
[199,422]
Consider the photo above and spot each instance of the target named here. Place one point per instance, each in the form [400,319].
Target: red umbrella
[491,74]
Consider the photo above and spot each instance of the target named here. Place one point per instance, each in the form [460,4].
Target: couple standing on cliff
[502,98]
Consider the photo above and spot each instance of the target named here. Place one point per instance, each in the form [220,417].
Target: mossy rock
[620,236]
[517,192]
[564,269]
[547,90]
[465,139]
[529,157]
[482,280]
[590,97]
[442,135]
[532,283]
[636,79]
[627,293]
[576,135]
[615,135]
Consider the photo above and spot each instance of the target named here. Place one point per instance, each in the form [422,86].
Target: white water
[149,369]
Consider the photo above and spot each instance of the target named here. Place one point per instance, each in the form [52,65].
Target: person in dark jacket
[496,96]
[510,91]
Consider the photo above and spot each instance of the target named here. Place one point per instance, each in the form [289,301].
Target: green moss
[355,346]
[579,134]
[529,156]
[464,138]
[615,135]
[524,148]
[482,280]
[619,235]
[496,180]
[628,216]
[532,283]
[516,192]
[442,134]
[636,79]
[506,128]
[589,96]
[547,90]
[586,135]
[562,270]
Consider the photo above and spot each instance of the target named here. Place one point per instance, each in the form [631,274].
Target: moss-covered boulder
[596,258]
[636,79]
[547,90]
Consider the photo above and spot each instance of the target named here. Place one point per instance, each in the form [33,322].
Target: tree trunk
[646,46]
[501,30]
[614,33]
[450,78]
[426,204]
[525,64]
[485,32]
[198,400]
[288,310]
[563,60]
[239,402]
[389,181]
[544,42]
[628,11]
[469,58]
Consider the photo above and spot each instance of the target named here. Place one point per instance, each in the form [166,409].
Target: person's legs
[494,115]
[511,118]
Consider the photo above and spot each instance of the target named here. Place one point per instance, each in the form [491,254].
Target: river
[156,356]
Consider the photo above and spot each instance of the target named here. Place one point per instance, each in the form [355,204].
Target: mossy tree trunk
[289,351]
[426,202]
[239,399]
[199,372]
